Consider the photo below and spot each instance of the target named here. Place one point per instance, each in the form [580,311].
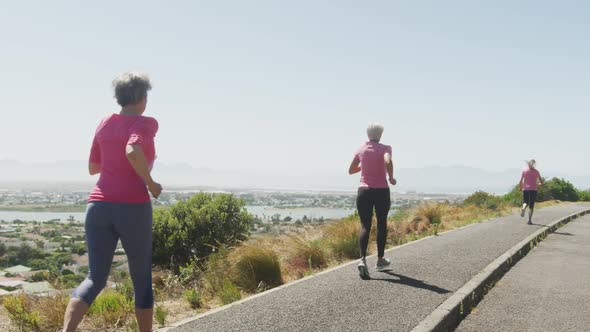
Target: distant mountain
[434,179]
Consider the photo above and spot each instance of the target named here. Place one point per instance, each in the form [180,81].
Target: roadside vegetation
[204,256]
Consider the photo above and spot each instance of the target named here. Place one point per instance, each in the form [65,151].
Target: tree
[24,254]
[192,229]
[2,249]
[78,248]
[40,244]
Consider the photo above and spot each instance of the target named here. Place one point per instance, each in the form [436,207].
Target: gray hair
[131,87]
[532,163]
[374,131]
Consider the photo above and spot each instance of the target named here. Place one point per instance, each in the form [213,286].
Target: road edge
[453,310]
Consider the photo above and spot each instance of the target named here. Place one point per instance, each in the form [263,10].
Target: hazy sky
[289,87]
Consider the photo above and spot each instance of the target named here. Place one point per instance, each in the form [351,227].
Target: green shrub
[110,309]
[254,266]
[228,292]
[20,313]
[68,281]
[66,272]
[483,199]
[193,297]
[190,273]
[161,314]
[514,197]
[194,228]
[584,195]
[558,189]
[40,276]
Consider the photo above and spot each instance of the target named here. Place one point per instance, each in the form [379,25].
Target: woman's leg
[74,313]
[526,198]
[364,205]
[102,241]
[382,206]
[135,229]
[532,200]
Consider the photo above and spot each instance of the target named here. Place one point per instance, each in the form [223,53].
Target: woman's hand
[155,188]
[392,181]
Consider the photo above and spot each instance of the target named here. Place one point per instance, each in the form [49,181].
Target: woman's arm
[354,166]
[389,167]
[139,163]
[94,159]
[520,182]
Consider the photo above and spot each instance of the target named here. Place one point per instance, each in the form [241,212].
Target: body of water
[263,212]
[40,216]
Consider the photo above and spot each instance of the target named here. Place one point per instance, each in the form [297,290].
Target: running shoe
[529,222]
[522,211]
[363,270]
[383,265]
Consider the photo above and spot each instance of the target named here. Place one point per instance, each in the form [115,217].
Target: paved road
[548,290]
[425,274]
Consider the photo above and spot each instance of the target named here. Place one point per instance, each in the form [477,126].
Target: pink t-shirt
[530,176]
[118,182]
[373,171]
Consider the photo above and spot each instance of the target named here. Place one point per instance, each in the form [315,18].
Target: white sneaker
[523,210]
[363,269]
[383,265]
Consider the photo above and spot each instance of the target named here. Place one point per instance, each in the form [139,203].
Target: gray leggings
[106,223]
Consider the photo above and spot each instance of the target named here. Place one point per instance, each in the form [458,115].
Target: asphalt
[548,290]
[425,274]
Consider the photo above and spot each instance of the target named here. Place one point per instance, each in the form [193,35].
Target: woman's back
[530,176]
[372,158]
[118,181]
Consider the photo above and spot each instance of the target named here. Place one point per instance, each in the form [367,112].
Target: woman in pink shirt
[529,182]
[119,206]
[373,160]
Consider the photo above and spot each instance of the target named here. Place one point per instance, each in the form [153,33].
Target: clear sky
[288,87]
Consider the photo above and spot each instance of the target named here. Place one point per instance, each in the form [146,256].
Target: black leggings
[367,199]
[529,197]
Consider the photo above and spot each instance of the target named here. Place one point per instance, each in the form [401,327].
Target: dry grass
[52,310]
[308,254]
[255,267]
[342,237]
